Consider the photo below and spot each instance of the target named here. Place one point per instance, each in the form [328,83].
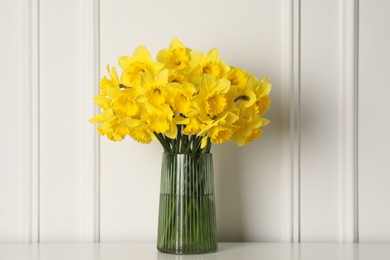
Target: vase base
[187,253]
[187,219]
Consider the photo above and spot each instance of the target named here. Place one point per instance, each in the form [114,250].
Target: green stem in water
[183,143]
[208,147]
[178,140]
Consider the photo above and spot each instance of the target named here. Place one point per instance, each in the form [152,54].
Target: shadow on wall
[247,184]
[228,195]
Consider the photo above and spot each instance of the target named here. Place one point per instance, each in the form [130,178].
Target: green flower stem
[190,143]
[208,147]
[187,208]
[178,139]
[183,143]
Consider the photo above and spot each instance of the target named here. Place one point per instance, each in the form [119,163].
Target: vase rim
[186,153]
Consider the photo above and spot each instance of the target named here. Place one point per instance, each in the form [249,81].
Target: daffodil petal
[204,142]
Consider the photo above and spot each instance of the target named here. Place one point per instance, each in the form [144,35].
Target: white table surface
[226,251]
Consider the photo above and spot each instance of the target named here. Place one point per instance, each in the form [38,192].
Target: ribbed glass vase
[187,223]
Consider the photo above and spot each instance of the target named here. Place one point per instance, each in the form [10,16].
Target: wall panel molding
[30,205]
[290,185]
[295,125]
[91,153]
[348,188]
[320,120]
[347,173]
[65,200]
[30,121]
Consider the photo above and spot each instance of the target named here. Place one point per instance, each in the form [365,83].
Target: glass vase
[187,223]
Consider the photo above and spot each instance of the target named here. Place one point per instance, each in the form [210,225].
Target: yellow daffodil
[177,77]
[126,105]
[158,119]
[176,57]
[238,78]
[220,130]
[248,126]
[208,64]
[212,100]
[102,101]
[186,99]
[194,126]
[113,82]
[141,134]
[114,129]
[219,134]
[257,94]
[106,115]
[180,97]
[154,88]
[139,131]
[133,67]
[262,104]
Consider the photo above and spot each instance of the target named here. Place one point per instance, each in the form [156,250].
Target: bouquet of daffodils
[187,100]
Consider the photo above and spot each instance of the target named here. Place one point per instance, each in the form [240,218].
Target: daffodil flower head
[141,133]
[248,126]
[158,119]
[114,129]
[176,76]
[181,97]
[262,93]
[126,104]
[221,130]
[102,101]
[258,94]
[112,82]
[176,57]
[154,87]
[238,78]
[211,99]
[194,126]
[133,67]
[106,115]
[208,64]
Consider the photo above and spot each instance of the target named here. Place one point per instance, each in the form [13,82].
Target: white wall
[374,121]
[12,135]
[319,173]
